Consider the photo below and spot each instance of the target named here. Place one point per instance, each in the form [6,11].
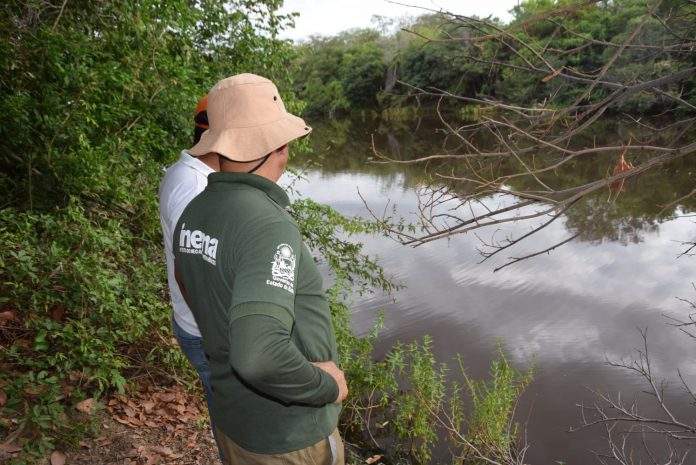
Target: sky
[328,17]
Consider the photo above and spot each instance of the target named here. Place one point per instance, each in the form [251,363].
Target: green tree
[363,74]
[341,73]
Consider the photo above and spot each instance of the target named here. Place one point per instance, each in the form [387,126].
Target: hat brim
[251,143]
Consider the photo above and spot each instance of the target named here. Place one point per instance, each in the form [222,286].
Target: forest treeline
[375,68]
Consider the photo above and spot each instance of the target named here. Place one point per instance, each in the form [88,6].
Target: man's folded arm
[264,356]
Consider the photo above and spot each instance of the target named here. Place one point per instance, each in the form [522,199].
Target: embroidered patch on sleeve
[283,268]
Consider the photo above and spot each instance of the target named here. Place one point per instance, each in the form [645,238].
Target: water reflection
[344,146]
[564,312]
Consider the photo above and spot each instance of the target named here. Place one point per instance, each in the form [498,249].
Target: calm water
[565,313]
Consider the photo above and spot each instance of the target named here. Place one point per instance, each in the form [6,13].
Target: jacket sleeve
[264,263]
[264,356]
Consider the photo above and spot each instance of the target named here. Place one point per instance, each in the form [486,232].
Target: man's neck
[267,170]
[211,160]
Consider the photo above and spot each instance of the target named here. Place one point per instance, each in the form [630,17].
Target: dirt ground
[154,426]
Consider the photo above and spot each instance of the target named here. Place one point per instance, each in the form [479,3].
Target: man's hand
[337,374]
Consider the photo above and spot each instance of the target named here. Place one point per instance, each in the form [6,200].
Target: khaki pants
[321,453]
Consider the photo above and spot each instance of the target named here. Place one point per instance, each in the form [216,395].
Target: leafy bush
[88,305]
[490,427]
[328,233]
[394,400]
[398,405]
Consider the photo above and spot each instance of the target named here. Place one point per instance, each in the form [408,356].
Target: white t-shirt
[182,181]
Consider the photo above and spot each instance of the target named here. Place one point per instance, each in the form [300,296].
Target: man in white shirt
[182,181]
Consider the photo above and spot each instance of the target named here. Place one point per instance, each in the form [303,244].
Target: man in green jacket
[255,291]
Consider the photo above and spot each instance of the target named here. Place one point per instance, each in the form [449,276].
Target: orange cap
[202,104]
[201,120]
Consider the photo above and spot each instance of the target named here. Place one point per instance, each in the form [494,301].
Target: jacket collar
[273,190]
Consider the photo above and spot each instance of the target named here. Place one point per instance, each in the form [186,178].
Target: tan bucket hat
[247,120]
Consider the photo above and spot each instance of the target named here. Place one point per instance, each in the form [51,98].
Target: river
[564,313]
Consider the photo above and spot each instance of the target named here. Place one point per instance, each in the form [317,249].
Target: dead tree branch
[508,165]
